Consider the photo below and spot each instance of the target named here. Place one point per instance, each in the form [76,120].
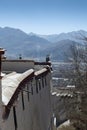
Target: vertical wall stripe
[22,100]
[15,117]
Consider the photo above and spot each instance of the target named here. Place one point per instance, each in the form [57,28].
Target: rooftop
[11,83]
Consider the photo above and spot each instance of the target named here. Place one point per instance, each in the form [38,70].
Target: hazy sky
[44,16]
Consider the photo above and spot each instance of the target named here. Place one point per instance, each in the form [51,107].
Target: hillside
[60,51]
[76,36]
[16,42]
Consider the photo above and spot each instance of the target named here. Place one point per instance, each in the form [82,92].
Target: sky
[44,16]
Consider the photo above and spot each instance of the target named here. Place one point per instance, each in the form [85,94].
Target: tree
[78,115]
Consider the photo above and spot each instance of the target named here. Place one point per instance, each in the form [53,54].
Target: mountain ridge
[74,35]
[32,45]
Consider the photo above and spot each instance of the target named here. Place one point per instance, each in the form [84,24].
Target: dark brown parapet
[42,63]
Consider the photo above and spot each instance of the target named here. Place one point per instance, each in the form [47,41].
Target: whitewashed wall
[37,112]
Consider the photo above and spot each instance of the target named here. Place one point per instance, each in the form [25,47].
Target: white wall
[37,113]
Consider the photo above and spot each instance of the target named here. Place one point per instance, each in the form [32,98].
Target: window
[45,81]
[31,88]
[42,82]
[36,86]
[15,117]
[39,84]
[22,100]
[28,91]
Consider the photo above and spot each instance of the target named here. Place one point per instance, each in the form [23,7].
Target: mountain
[61,50]
[32,45]
[18,42]
[76,36]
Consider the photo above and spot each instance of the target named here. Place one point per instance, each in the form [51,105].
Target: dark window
[28,91]
[39,85]
[31,88]
[22,100]
[45,81]
[15,118]
[42,82]
[36,86]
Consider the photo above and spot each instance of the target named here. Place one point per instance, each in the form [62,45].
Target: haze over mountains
[74,36]
[16,42]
